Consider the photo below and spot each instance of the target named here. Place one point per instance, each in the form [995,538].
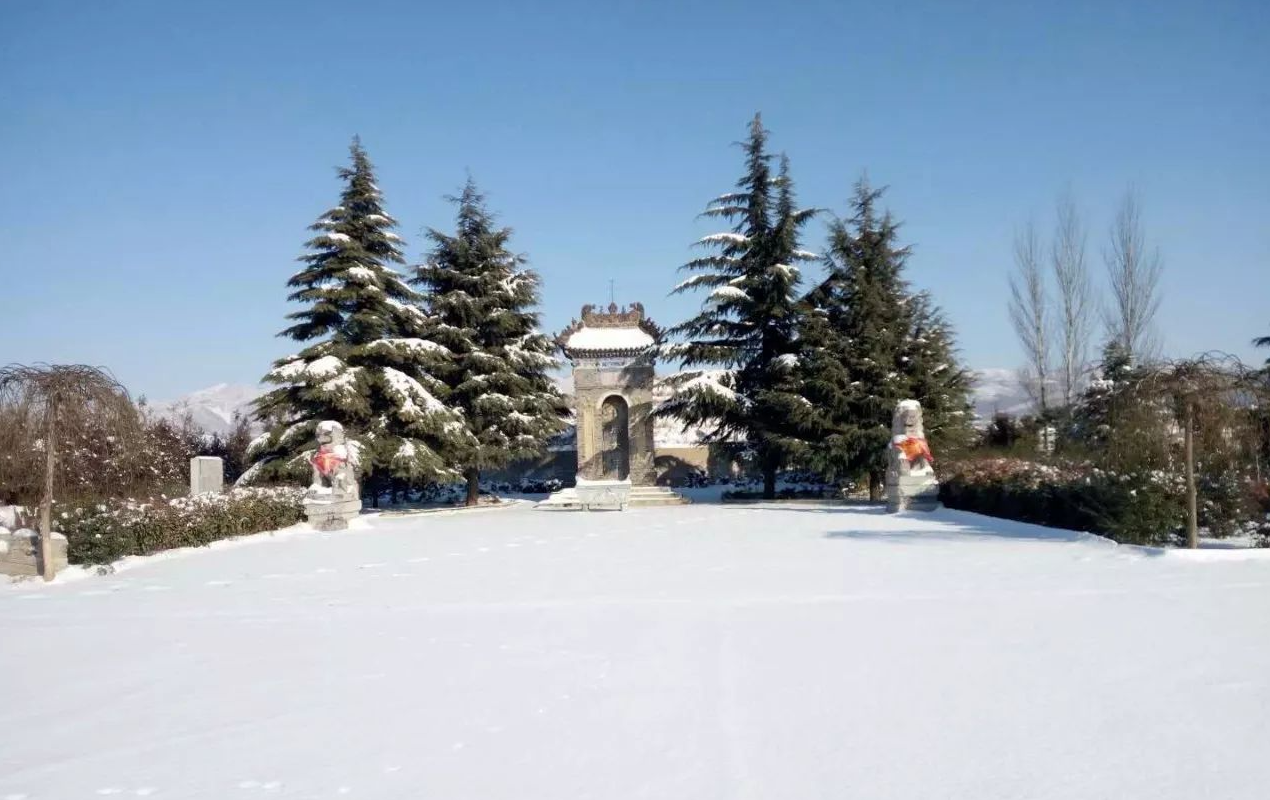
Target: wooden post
[46,505]
[1192,514]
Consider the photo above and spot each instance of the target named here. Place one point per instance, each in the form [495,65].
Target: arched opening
[615,444]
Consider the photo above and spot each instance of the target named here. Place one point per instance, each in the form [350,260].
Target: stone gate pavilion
[613,383]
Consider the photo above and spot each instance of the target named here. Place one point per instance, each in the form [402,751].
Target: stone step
[641,496]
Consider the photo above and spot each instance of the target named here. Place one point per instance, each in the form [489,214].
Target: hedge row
[1134,509]
[100,533]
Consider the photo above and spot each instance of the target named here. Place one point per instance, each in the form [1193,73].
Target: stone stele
[333,497]
[207,474]
[910,471]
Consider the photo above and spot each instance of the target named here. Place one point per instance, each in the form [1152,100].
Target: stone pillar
[207,474]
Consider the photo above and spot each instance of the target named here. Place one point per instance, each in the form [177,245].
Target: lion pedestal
[910,472]
[333,497]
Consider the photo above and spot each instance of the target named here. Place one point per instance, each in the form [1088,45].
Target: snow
[406,390]
[787,360]
[725,293]
[408,345]
[407,309]
[609,339]
[361,274]
[324,367]
[337,238]
[710,381]
[724,238]
[687,653]
[787,271]
[288,371]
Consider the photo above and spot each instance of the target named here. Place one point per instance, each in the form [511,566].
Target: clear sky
[162,159]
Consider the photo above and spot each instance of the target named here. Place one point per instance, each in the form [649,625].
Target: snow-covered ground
[686,652]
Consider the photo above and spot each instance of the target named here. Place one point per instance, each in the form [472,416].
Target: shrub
[1136,508]
[101,533]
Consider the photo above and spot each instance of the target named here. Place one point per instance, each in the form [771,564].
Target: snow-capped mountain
[211,409]
[998,390]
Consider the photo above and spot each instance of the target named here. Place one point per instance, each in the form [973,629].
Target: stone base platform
[331,513]
[20,552]
[640,496]
[912,493]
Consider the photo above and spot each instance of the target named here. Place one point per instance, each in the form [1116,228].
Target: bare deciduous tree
[1134,276]
[1074,298]
[1029,313]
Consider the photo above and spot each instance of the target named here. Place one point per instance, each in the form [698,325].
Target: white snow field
[693,653]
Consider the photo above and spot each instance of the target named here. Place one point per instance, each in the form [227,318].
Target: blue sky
[161,160]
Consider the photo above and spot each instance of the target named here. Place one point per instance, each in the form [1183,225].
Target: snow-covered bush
[1135,508]
[99,533]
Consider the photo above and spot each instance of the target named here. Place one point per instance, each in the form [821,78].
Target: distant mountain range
[213,409]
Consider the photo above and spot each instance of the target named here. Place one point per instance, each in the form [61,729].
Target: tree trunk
[473,486]
[769,481]
[1192,514]
[46,505]
[875,487]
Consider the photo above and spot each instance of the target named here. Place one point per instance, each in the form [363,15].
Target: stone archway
[615,439]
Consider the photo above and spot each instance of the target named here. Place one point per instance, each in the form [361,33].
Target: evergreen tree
[871,342]
[371,361]
[483,301]
[934,376]
[747,327]
[1263,341]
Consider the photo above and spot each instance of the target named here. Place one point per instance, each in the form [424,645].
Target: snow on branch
[724,294]
[334,239]
[324,367]
[705,279]
[408,393]
[407,346]
[723,238]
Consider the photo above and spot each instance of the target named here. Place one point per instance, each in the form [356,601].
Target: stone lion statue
[334,462]
[909,452]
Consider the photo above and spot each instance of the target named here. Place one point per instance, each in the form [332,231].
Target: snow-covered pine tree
[747,327]
[372,360]
[484,300]
[870,342]
[934,375]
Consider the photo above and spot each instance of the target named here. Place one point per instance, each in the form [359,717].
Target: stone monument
[612,355]
[207,474]
[910,471]
[333,497]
